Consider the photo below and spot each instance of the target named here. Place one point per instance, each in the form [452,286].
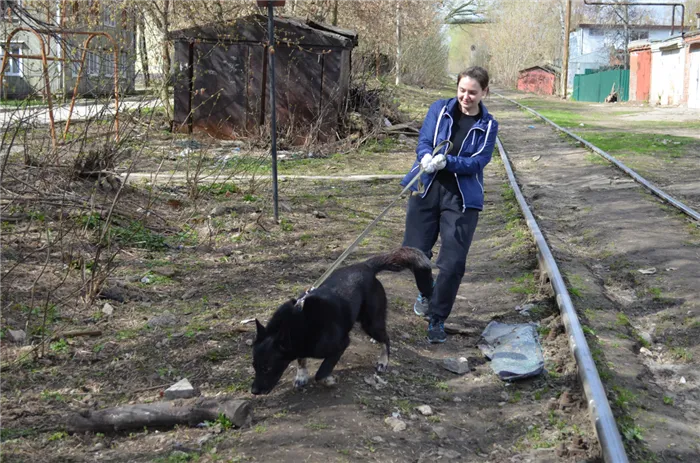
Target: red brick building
[538,79]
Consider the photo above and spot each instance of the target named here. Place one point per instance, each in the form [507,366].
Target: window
[597,32]
[93,64]
[108,63]
[110,17]
[14,64]
[639,35]
[77,53]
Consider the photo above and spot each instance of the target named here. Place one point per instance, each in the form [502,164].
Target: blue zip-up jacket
[474,154]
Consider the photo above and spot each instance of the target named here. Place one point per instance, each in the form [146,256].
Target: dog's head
[271,356]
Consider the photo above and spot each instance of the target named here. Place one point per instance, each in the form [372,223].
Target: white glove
[438,163]
[426,163]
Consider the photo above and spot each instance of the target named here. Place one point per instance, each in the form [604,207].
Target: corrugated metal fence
[595,86]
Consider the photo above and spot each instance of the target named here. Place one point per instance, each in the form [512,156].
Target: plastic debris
[514,350]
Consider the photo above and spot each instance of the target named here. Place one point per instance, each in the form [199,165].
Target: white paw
[382,367]
[328,381]
[300,382]
[301,379]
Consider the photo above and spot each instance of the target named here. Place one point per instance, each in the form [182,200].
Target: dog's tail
[406,258]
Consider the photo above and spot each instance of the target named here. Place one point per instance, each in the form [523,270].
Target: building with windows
[54,24]
[596,46]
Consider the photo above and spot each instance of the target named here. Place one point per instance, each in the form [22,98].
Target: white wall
[667,72]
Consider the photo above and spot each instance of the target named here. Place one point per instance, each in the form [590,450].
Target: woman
[452,190]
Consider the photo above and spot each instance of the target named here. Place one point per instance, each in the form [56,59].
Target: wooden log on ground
[161,415]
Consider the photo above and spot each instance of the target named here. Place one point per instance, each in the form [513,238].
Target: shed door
[220,87]
[643,76]
[694,77]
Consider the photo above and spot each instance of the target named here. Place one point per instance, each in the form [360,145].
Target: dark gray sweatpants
[440,214]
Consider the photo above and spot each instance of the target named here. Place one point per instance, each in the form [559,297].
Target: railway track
[627,281]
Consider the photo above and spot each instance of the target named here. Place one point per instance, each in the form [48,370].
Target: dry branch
[161,415]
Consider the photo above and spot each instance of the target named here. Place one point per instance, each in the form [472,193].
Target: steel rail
[690,212]
[601,414]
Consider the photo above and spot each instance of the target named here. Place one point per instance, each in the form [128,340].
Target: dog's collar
[300,302]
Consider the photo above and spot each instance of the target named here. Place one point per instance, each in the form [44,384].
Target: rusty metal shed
[221,82]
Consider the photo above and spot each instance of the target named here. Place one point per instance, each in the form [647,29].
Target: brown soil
[241,265]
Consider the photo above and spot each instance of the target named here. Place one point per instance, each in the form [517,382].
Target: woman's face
[469,94]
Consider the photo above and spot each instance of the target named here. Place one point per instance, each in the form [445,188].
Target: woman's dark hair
[477,73]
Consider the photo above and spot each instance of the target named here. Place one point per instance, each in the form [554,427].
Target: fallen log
[161,415]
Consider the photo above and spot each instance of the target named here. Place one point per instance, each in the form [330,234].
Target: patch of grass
[314,426]
[525,285]
[15,433]
[634,143]
[154,279]
[668,400]
[286,225]
[622,320]
[58,436]
[219,189]
[260,429]
[126,334]
[49,396]
[681,353]
[434,419]
[280,414]
[654,292]
[138,236]
[59,347]
[596,159]
[624,398]
[442,385]
[588,330]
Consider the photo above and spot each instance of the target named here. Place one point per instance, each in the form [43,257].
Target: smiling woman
[451,207]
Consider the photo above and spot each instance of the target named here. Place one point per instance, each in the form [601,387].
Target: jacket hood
[452,102]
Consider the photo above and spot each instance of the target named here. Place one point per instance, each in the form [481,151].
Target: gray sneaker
[421,306]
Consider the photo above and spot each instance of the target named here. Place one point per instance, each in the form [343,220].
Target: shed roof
[253,29]
[544,67]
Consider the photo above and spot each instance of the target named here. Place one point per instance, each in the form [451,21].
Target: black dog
[320,325]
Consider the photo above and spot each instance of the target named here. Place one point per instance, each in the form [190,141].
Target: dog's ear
[261,331]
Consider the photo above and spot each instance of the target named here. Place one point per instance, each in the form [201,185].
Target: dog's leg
[323,375]
[302,377]
[383,361]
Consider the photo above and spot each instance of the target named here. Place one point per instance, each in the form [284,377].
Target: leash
[353,245]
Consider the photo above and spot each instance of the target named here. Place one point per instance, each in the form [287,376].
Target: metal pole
[565,61]
[273,117]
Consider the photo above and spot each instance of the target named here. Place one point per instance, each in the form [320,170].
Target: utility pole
[398,42]
[565,59]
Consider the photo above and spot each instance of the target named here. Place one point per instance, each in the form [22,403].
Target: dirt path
[644,326]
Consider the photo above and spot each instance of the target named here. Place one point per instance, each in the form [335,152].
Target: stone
[107,309]
[645,351]
[395,424]
[165,319]
[459,365]
[189,294]
[425,410]
[448,454]
[17,336]
[180,390]
[439,431]
[377,439]
[647,337]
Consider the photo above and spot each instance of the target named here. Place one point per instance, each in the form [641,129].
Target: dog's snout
[255,390]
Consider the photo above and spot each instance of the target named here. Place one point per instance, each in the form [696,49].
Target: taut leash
[369,227]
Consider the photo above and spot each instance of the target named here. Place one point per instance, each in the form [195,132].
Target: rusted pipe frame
[45,66]
[673,15]
[47,84]
[92,35]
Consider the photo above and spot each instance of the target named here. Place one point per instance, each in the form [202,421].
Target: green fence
[595,86]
